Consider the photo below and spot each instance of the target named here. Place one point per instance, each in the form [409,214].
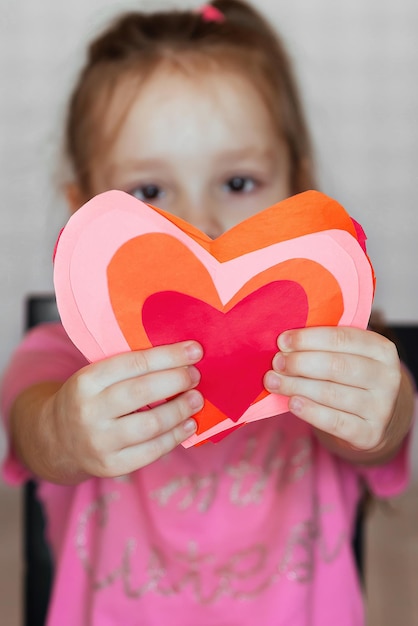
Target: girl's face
[203,150]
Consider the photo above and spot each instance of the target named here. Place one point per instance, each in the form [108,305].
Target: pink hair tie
[210,13]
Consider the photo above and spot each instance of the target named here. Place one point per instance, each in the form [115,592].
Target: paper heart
[118,258]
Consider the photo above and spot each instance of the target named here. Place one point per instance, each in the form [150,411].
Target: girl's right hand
[100,418]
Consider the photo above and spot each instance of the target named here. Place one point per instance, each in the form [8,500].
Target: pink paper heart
[308,232]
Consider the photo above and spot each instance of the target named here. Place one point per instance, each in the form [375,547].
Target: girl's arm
[92,426]
[350,386]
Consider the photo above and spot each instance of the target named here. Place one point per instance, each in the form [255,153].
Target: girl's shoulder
[45,353]
[46,331]
[49,337]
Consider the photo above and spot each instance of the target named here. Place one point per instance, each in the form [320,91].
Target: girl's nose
[202,215]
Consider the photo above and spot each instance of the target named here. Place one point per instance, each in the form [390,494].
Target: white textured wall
[358,63]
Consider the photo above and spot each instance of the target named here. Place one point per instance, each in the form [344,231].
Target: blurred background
[357,63]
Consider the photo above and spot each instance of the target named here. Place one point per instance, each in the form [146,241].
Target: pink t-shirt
[253,530]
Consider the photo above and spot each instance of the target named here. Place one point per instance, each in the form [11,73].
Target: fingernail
[279,362]
[194,375]
[194,351]
[285,341]
[295,406]
[190,426]
[272,381]
[195,400]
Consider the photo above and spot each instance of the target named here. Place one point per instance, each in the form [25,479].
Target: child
[197,113]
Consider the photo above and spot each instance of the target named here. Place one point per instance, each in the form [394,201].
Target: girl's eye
[147,192]
[240,184]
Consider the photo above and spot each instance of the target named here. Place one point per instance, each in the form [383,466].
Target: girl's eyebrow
[133,165]
[223,157]
[248,152]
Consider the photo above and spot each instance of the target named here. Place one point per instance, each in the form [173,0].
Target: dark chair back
[38,567]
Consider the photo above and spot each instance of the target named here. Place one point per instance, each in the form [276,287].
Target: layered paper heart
[129,276]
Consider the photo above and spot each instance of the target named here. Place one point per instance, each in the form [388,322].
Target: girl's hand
[99,422]
[348,384]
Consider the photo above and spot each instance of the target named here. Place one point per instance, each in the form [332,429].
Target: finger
[350,369]
[325,393]
[350,428]
[339,339]
[142,362]
[137,428]
[137,456]
[135,393]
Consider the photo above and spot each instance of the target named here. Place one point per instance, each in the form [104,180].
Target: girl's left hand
[343,381]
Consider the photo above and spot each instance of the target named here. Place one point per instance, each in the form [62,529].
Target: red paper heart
[231,340]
